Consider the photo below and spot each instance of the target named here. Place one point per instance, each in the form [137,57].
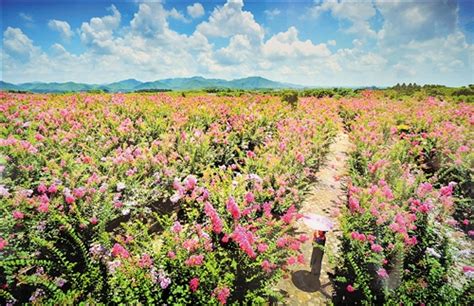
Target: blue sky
[321,43]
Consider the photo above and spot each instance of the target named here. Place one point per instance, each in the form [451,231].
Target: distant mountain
[125,85]
[129,85]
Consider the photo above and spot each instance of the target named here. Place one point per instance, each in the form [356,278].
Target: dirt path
[325,197]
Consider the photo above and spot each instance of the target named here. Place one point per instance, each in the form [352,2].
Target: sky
[315,43]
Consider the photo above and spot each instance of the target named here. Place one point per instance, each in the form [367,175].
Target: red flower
[194,284]
[350,289]
[3,243]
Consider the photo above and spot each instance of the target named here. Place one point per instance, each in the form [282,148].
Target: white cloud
[26,17]
[98,32]
[148,49]
[62,27]
[230,20]
[405,21]
[272,13]
[287,45]
[15,42]
[150,19]
[196,10]
[358,12]
[175,14]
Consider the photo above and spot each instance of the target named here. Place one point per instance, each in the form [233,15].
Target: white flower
[175,197]
[120,186]
[4,191]
[125,211]
[432,252]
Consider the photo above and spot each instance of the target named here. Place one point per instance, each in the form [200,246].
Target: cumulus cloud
[98,32]
[196,10]
[148,48]
[62,27]
[358,12]
[229,20]
[406,21]
[288,45]
[15,42]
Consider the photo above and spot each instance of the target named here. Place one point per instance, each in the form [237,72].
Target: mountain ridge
[130,85]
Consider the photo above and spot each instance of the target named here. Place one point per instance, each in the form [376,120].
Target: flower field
[140,198]
[160,198]
[409,194]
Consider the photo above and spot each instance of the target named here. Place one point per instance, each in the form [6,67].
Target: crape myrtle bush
[409,195]
[112,198]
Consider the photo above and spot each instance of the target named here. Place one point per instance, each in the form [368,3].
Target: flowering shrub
[410,174]
[152,198]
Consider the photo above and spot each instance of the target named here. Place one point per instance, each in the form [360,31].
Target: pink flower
[78,193]
[145,261]
[3,243]
[177,227]
[171,255]
[300,157]
[424,189]
[190,182]
[70,199]
[215,219]
[350,289]
[267,266]
[194,284]
[42,188]
[53,189]
[382,273]
[244,239]
[249,197]
[466,269]
[470,233]
[376,248]
[18,215]
[93,220]
[354,204]
[291,260]
[194,260]
[119,251]
[290,213]
[221,294]
[262,247]
[232,208]
[43,207]
[251,154]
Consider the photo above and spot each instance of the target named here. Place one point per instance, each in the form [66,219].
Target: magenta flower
[232,208]
[177,227]
[221,294]
[194,284]
[194,260]
[3,243]
[350,288]
[249,197]
[119,251]
[382,273]
[18,215]
[376,248]
[215,219]
[145,261]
